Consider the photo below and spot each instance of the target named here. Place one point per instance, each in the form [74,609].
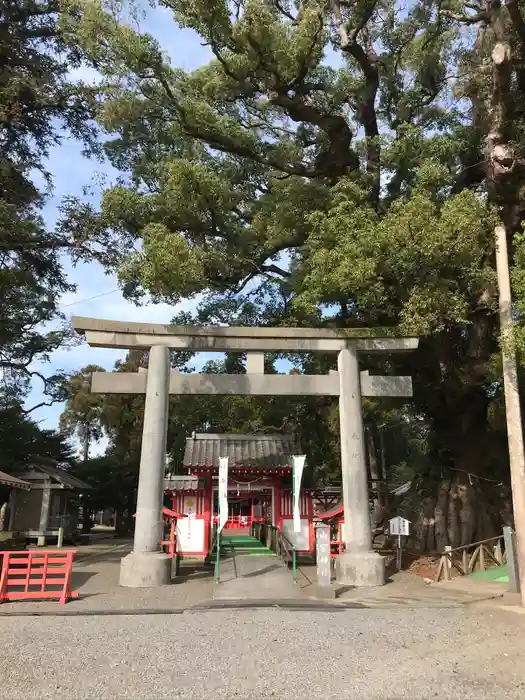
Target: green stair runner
[244,545]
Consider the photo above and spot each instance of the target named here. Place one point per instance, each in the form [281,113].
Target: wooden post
[465,562]
[44,514]
[12,510]
[448,563]
[512,402]
[498,555]
[512,559]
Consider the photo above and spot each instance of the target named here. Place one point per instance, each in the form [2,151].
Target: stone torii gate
[146,565]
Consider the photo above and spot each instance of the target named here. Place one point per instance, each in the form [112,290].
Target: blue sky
[97,294]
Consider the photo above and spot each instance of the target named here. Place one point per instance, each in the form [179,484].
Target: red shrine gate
[259,489]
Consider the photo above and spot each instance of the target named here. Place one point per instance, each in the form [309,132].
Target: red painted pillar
[276,505]
[208,514]
[310,515]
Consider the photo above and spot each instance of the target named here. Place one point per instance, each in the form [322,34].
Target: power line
[95,296]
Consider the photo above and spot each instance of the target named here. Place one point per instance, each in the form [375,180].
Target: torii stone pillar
[359,565]
[146,566]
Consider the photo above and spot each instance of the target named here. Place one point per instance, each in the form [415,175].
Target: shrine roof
[39,468]
[257,451]
[332,512]
[13,482]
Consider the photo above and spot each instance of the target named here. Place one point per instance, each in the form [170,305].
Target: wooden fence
[477,556]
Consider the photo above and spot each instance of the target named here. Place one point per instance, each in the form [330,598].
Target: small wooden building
[51,503]
[8,485]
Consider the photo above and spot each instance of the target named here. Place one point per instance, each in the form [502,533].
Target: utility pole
[512,402]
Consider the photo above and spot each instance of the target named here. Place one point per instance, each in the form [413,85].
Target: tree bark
[87,523]
[118,522]
[85,443]
[378,500]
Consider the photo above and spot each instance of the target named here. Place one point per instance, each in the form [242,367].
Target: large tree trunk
[469,502]
[85,443]
[119,529]
[462,500]
[378,500]
[87,522]
[129,522]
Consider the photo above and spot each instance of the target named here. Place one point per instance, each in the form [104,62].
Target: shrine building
[259,489]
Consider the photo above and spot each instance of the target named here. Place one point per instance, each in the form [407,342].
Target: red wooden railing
[36,575]
[336,548]
[170,545]
[236,522]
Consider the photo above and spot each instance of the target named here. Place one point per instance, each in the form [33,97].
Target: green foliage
[419,265]
[22,439]
[113,484]
[328,166]
[253,157]
[39,104]
[518,287]
[83,413]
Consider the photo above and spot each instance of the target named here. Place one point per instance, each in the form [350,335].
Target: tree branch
[338,158]
[258,266]
[466,19]
[225,145]
[305,67]
[276,270]
[284,12]
[366,112]
[27,411]
[41,244]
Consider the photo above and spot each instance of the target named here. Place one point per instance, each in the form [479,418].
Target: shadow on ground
[193,573]
[261,572]
[80,578]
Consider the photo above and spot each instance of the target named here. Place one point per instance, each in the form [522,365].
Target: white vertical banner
[297,470]
[223,492]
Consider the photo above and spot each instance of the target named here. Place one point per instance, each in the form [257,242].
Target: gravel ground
[258,654]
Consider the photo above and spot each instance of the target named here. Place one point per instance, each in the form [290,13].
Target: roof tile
[261,451]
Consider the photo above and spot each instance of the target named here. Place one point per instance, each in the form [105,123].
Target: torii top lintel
[119,334]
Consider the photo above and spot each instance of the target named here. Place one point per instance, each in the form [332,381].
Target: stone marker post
[359,565]
[146,565]
[324,573]
[323,588]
